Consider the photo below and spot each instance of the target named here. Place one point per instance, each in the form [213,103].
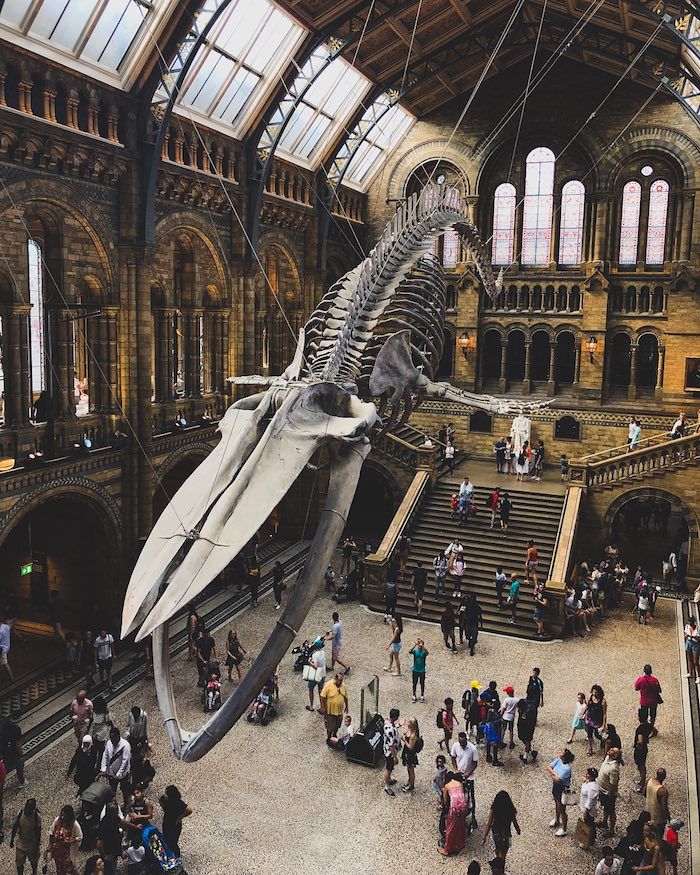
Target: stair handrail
[643,461]
[563,550]
[644,444]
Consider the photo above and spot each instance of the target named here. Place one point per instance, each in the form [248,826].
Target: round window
[647,170]
[440,178]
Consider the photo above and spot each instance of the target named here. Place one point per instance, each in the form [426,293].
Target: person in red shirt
[649,690]
[672,843]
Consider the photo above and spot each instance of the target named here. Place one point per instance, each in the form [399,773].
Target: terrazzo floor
[276,799]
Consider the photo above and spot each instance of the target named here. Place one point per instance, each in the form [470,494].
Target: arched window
[656,232]
[573,195]
[629,226]
[503,224]
[37,346]
[450,248]
[537,210]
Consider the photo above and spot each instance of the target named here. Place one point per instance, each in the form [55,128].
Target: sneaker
[489,758]
[347,671]
[497,763]
[277,607]
[422,700]
[534,756]
[386,669]
[389,791]
[408,789]
[395,674]
[523,757]
[413,699]
[553,823]
[560,833]
[24,784]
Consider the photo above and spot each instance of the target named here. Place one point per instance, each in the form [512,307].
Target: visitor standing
[454,815]
[464,756]
[317,661]
[137,729]
[329,579]
[394,646]
[649,690]
[116,762]
[588,806]
[538,465]
[420,579]
[470,621]
[334,703]
[531,562]
[505,506]
[253,569]
[499,449]
[539,609]
[446,720]
[610,864]
[500,583]
[642,734]
[596,718]
[64,840]
[104,648]
[502,817]
[447,627]
[513,598]
[456,567]
[86,658]
[404,549]
[692,648]
[390,596]
[346,548]
[440,569]
[11,752]
[175,810]
[81,711]
[559,770]
[608,788]
[206,650]
[84,764]
[419,654]
[234,654]
[657,800]
[26,837]
[450,457]
[101,724]
[391,744]
[577,721]
[526,725]
[508,455]
[508,712]
[493,504]
[109,838]
[335,636]
[277,583]
[564,468]
[412,746]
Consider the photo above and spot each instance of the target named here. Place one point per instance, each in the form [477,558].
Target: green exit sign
[26,569]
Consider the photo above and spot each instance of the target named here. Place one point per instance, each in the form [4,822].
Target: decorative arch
[430,151]
[193,223]
[674,144]
[689,515]
[196,450]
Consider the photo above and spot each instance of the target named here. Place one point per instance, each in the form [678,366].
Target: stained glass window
[537,208]
[629,226]
[36,317]
[573,195]
[450,248]
[503,224]
[656,232]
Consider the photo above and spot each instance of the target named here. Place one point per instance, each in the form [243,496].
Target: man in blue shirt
[513,597]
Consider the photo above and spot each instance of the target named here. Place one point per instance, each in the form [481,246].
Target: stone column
[659,388]
[165,355]
[3,78]
[25,382]
[577,365]
[632,388]
[528,377]
[504,353]
[108,358]
[61,336]
[686,232]
[12,367]
[225,350]
[600,241]
[72,101]
[144,339]
[551,384]
[217,352]
[193,327]
[97,364]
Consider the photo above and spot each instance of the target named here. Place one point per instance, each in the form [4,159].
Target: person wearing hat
[468,697]
[507,712]
[672,843]
[84,763]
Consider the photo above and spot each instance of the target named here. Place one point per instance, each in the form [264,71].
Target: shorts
[689,648]
[395,648]
[538,613]
[389,763]
[3,657]
[577,723]
[409,757]
[105,664]
[318,684]
[557,790]
[640,756]
[13,762]
[532,566]
[607,802]
[335,654]
[420,592]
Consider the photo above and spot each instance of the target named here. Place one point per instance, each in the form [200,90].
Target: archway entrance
[515,358]
[646,528]
[447,360]
[565,360]
[647,363]
[64,545]
[539,357]
[373,506]
[492,355]
[620,362]
[171,481]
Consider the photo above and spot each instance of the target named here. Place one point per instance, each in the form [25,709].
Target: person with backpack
[505,506]
[446,720]
[412,746]
[468,697]
[649,690]
[26,837]
[527,721]
[440,569]
[491,730]
[521,464]
[470,621]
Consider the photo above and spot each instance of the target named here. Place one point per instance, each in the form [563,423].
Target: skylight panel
[114,32]
[391,125]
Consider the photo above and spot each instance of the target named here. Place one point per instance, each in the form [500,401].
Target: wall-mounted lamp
[465,343]
[591,347]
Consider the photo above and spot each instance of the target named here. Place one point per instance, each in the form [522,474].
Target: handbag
[311,674]
[568,797]
[584,833]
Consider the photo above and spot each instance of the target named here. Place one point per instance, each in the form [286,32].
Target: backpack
[521,459]
[438,719]
[419,745]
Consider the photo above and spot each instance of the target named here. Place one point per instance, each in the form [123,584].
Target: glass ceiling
[328,103]
[98,33]
[380,140]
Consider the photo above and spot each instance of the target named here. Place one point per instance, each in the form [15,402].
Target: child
[492,734]
[447,723]
[440,568]
[134,855]
[500,586]
[564,468]
[610,864]
[643,605]
[577,722]
[439,779]
[671,843]
[454,505]
[477,715]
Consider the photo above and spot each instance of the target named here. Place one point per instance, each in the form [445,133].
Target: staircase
[535,514]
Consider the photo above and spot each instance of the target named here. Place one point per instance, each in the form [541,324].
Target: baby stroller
[304,650]
[159,857]
[348,591]
[211,694]
[93,801]
[264,707]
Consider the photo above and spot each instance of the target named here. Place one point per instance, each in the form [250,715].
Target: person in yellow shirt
[334,702]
